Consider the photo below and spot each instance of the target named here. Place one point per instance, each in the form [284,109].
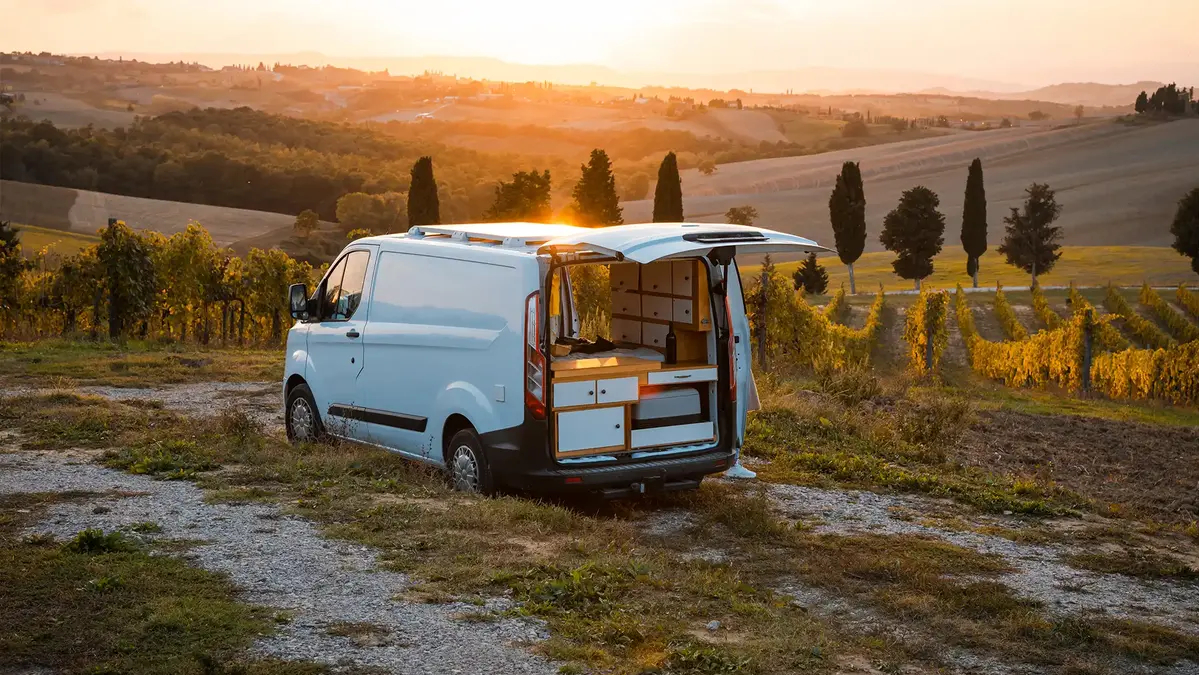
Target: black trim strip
[381,417]
[659,422]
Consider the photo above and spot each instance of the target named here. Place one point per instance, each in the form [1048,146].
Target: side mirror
[297,300]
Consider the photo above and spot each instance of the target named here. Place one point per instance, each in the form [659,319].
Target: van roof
[512,235]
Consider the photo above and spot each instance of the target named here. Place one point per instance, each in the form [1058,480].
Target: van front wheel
[467,464]
[301,419]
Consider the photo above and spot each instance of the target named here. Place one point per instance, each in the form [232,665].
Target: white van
[460,346]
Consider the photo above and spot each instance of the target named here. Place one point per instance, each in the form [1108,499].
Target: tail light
[732,346]
[534,359]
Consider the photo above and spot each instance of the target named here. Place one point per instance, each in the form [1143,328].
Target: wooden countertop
[613,366]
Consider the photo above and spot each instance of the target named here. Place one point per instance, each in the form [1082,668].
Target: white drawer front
[655,277]
[591,429]
[628,304]
[676,435]
[623,276]
[682,273]
[654,335]
[569,394]
[681,376]
[626,330]
[656,307]
[682,311]
[618,390]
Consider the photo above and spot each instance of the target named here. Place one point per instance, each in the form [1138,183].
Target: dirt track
[1119,185]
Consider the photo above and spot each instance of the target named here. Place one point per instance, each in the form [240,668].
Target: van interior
[633,359]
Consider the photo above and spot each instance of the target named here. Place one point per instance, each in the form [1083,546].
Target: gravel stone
[1039,572]
[290,568]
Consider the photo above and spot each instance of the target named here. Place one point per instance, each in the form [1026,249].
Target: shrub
[1168,374]
[1107,337]
[1007,317]
[1045,313]
[926,322]
[850,385]
[935,420]
[1179,325]
[1143,329]
[94,541]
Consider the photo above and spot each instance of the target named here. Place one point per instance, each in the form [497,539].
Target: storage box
[667,407]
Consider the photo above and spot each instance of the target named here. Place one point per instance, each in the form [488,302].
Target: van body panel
[443,332]
[741,351]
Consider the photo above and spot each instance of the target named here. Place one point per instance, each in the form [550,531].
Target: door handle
[352,333]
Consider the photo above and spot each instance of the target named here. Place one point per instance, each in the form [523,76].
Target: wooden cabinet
[663,292]
[624,276]
[656,277]
[656,307]
[683,278]
[626,304]
[591,429]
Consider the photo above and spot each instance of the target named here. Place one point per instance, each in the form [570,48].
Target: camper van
[534,356]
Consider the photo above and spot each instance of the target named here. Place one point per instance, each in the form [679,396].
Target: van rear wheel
[468,465]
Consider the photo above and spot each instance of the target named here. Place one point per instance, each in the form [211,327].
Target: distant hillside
[1091,94]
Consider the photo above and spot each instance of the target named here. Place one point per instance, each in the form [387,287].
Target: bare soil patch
[1149,470]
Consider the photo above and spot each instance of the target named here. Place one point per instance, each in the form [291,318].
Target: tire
[301,418]
[467,464]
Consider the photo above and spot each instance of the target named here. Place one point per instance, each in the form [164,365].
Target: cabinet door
[683,278]
[592,429]
[616,390]
[681,312]
[656,307]
[571,394]
[654,334]
[655,277]
[623,276]
[627,304]
[626,330]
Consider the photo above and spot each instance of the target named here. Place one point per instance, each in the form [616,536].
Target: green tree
[1031,240]
[525,198]
[355,235]
[73,287]
[914,230]
[1142,103]
[12,265]
[810,276]
[268,275]
[847,213]
[974,219]
[594,202]
[129,279]
[1185,228]
[381,214]
[307,223]
[707,166]
[741,215]
[423,205]
[668,195]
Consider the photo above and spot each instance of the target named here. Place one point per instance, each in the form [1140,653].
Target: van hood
[655,241]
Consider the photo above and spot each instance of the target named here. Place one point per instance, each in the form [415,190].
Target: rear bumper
[520,458]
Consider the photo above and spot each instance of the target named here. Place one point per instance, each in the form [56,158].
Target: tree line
[149,286]
[1167,100]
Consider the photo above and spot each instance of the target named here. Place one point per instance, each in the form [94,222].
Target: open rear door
[657,241]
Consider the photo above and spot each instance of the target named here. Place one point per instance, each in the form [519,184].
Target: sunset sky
[1027,42]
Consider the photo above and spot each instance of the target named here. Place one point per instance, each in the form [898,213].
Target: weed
[148,527]
[1135,563]
[850,385]
[104,584]
[170,459]
[686,659]
[95,541]
[934,420]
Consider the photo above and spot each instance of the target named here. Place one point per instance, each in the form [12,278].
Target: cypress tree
[595,203]
[668,195]
[847,213]
[1185,228]
[810,276]
[1142,103]
[974,219]
[423,205]
[915,231]
[1031,241]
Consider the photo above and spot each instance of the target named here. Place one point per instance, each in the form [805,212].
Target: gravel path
[283,562]
[1038,573]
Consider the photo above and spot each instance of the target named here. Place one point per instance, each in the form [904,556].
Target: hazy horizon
[698,43]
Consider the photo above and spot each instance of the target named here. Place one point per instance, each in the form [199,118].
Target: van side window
[343,290]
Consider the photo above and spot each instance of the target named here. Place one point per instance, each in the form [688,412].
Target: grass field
[1084,265]
[34,239]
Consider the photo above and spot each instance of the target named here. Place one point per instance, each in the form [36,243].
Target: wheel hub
[465,470]
[302,424]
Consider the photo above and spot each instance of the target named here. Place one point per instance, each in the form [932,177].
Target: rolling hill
[1119,184]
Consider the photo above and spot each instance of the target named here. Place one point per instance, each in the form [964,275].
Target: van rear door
[655,241]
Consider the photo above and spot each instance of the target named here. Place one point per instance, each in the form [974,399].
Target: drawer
[656,307]
[624,276]
[570,394]
[654,334]
[628,304]
[683,277]
[616,390]
[681,376]
[580,430]
[626,330]
[655,277]
[681,312]
[675,435]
